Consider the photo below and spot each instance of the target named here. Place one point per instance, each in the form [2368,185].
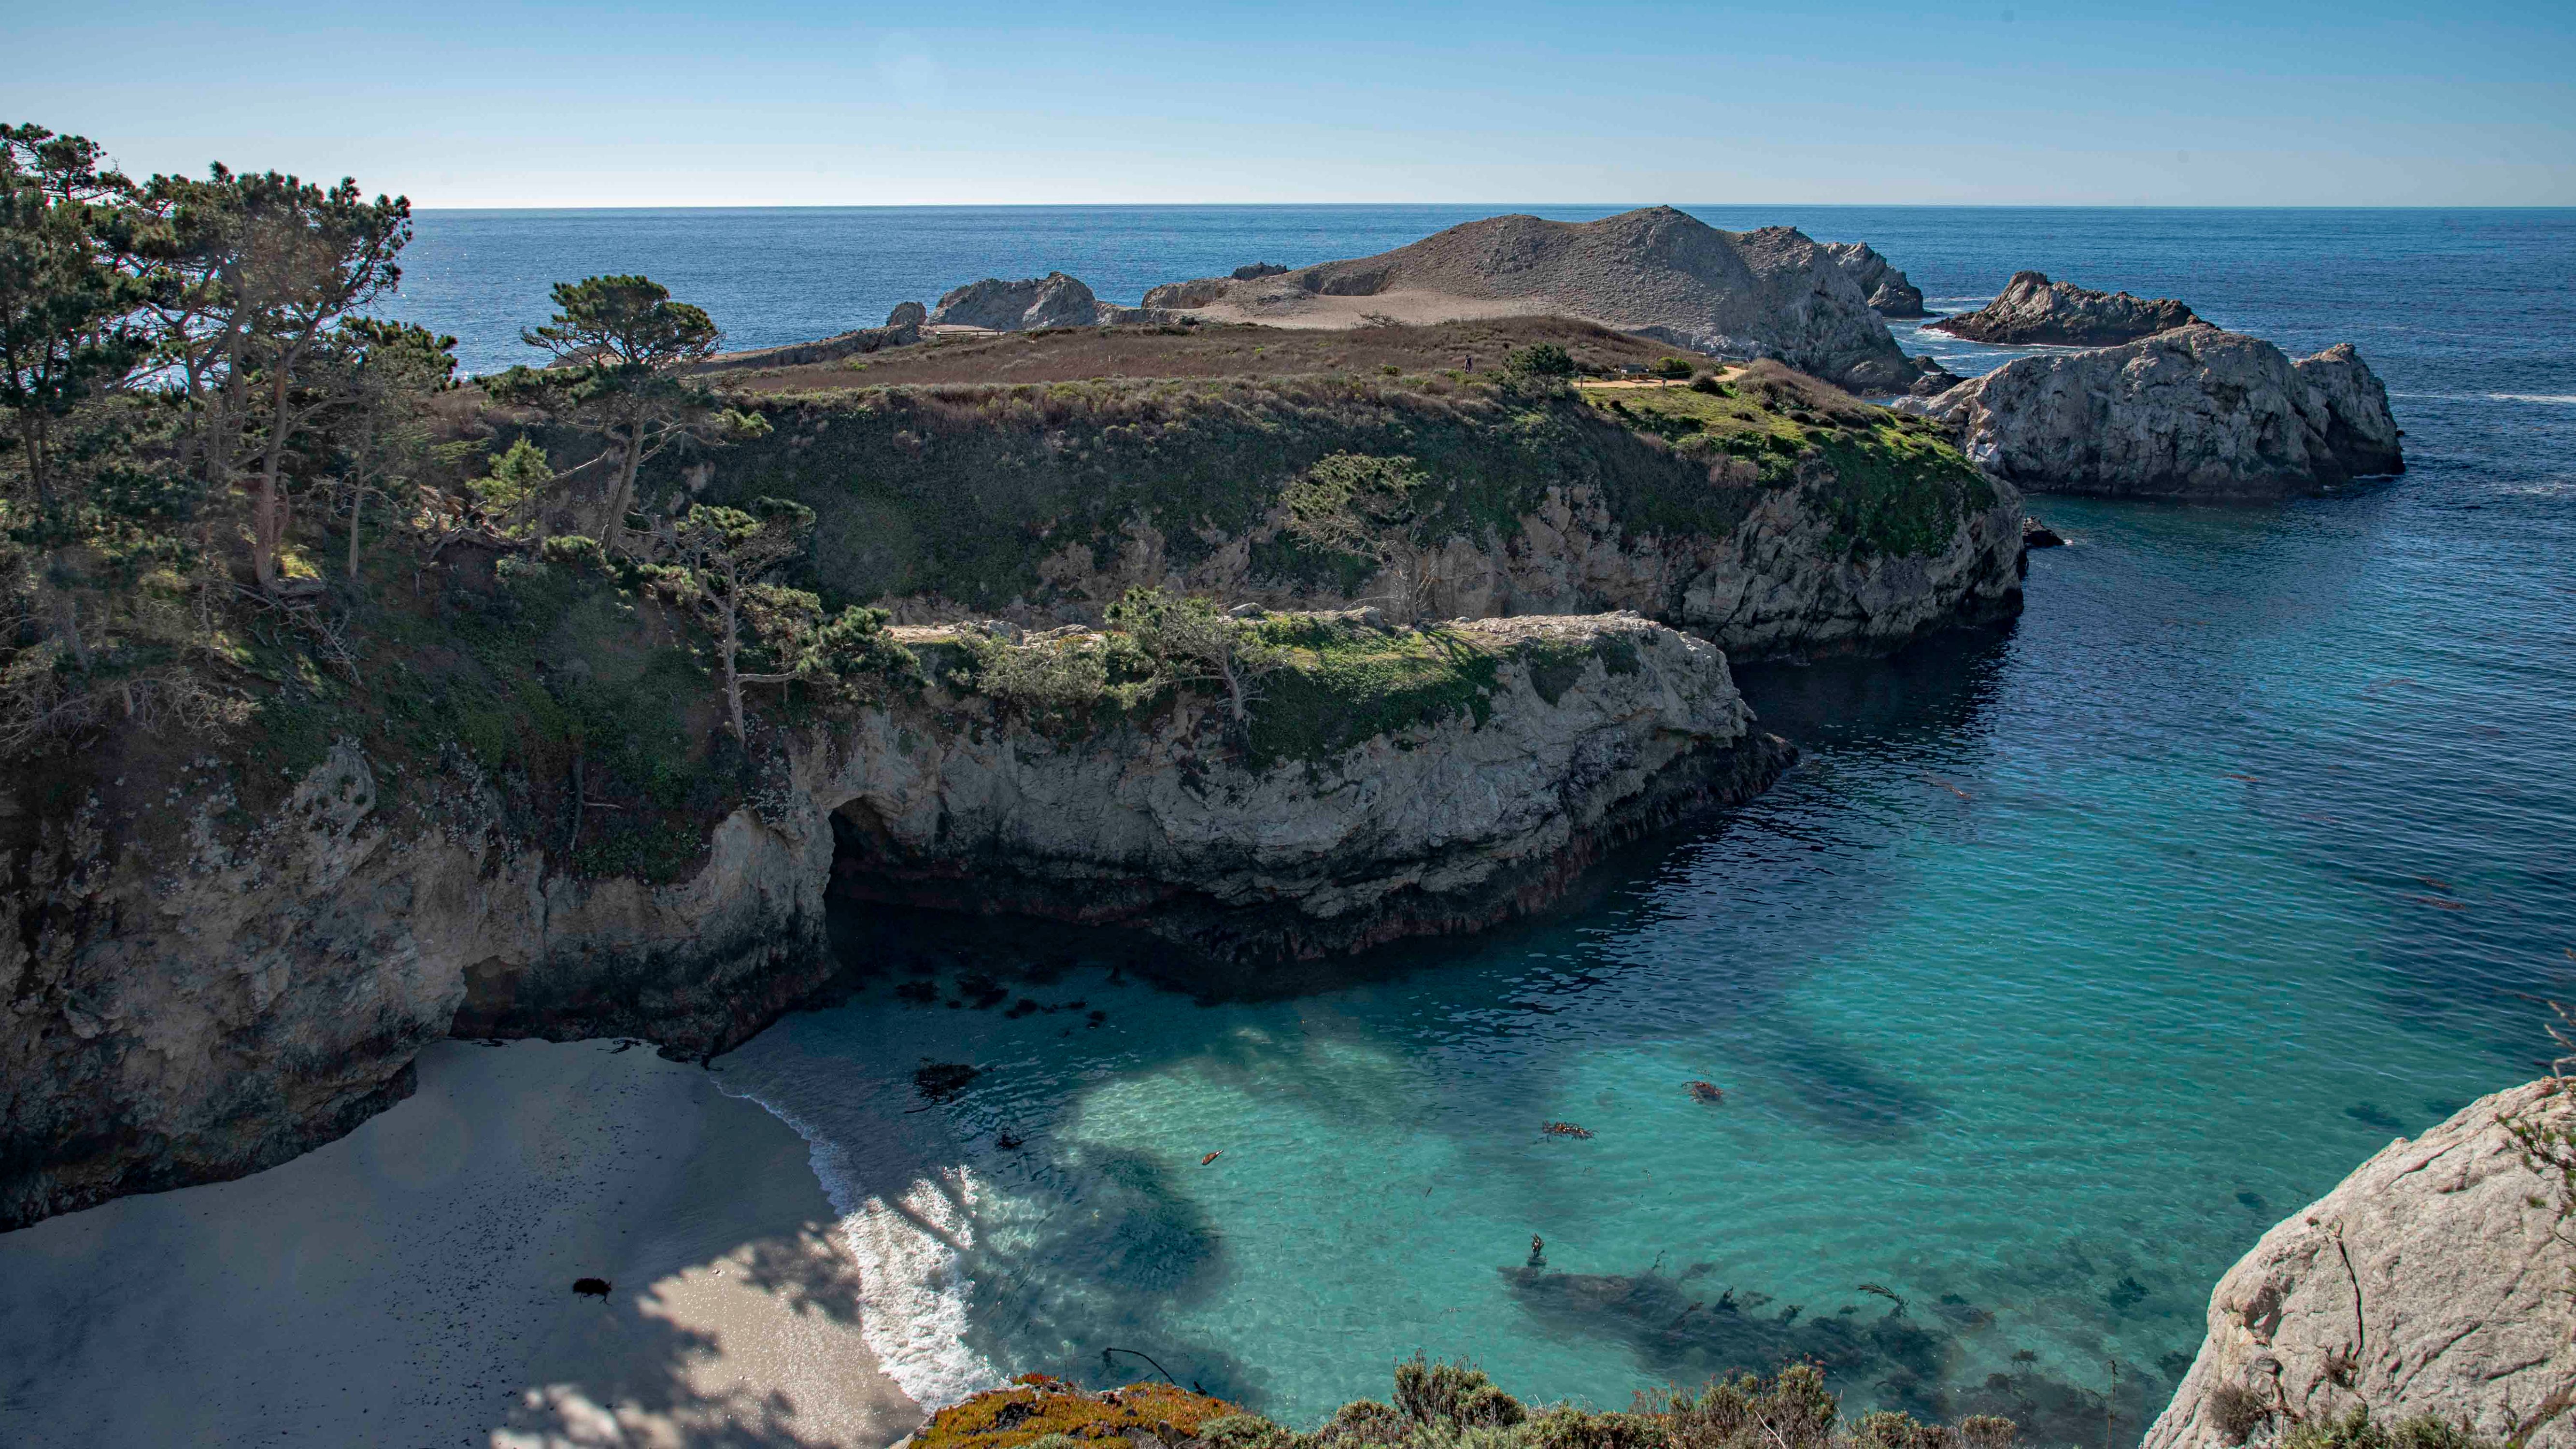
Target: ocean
[2072,957]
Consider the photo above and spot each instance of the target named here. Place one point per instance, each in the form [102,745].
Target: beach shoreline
[412,1282]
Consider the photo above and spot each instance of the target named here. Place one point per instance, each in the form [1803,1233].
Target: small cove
[2073,956]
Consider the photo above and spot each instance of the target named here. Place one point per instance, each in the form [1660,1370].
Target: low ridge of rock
[1255,271]
[1890,294]
[2196,414]
[2432,1281]
[1656,272]
[2034,310]
[1054,300]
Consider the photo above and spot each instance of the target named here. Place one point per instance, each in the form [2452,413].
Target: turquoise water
[2072,957]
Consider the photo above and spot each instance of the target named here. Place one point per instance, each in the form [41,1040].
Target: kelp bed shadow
[1686,1328]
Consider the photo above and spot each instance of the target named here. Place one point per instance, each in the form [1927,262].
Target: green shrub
[1545,359]
[1672,368]
[2358,1430]
[1707,383]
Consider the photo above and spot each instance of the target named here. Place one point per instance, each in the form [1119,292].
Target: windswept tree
[620,346]
[252,274]
[724,558]
[1190,641]
[387,376]
[1369,506]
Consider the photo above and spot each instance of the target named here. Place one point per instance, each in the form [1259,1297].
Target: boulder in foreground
[2193,414]
[2034,310]
[2431,1282]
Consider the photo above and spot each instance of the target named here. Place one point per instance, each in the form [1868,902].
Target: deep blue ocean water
[2071,958]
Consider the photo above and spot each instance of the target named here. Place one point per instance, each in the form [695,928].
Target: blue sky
[797,102]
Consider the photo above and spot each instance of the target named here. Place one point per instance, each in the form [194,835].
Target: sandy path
[410,1284]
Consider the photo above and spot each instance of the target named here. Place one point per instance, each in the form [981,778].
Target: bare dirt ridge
[1656,271]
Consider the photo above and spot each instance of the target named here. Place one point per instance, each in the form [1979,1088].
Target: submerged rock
[2195,413]
[2035,534]
[2433,1281]
[2033,309]
[1888,291]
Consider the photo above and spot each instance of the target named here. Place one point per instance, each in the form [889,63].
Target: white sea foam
[912,1280]
[2532,397]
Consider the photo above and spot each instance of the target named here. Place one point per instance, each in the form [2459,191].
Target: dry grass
[1037,1406]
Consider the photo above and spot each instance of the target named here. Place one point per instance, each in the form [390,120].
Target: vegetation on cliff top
[1456,1406]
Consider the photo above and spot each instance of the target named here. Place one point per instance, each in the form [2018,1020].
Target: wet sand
[412,1283]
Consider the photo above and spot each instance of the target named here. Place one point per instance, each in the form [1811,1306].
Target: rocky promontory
[2194,413]
[1772,293]
[210,974]
[2432,1282]
[2034,310]
[1054,300]
[1890,294]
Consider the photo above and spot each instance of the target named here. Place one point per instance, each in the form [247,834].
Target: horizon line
[1420,205]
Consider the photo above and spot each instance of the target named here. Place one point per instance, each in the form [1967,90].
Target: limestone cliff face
[2434,1280]
[2194,413]
[200,999]
[1779,585]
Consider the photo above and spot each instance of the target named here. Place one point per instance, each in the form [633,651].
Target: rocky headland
[215,970]
[1890,294]
[995,305]
[2034,310]
[1658,272]
[2195,414]
[2431,1282]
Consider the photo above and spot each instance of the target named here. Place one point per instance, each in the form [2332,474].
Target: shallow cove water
[2071,958]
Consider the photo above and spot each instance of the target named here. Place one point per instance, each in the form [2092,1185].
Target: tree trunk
[730,643]
[72,632]
[268,521]
[612,530]
[357,506]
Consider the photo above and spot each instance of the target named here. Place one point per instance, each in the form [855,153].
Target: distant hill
[1655,271]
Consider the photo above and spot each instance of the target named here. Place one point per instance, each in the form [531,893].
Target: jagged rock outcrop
[194,999]
[1054,300]
[1255,271]
[2195,413]
[2434,1280]
[1657,272]
[2033,310]
[907,314]
[827,349]
[1888,291]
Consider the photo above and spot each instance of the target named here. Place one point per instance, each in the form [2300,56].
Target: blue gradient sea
[2072,957]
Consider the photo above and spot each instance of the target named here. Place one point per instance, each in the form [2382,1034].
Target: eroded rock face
[1054,300]
[2034,310]
[2195,413]
[907,314]
[1657,272]
[1888,291]
[1780,585]
[2434,1280]
[1442,828]
[203,1002]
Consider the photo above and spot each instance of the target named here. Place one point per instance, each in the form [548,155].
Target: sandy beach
[411,1284]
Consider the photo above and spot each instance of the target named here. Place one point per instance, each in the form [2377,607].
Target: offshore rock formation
[1888,291]
[1657,272]
[907,314]
[2195,413]
[2431,1281]
[2032,309]
[203,997]
[1054,300]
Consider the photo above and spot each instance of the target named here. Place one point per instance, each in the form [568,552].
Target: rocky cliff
[2032,309]
[1890,294]
[1054,300]
[1780,518]
[2195,413]
[1772,293]
[2433,1281]
[209,975]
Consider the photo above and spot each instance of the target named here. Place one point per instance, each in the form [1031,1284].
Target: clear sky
[843,102]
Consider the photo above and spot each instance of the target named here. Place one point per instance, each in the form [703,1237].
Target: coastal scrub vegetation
[1457,1406]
